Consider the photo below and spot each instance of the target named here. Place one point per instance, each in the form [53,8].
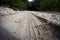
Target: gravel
[28,25]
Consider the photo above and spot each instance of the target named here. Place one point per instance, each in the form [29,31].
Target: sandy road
[28,25]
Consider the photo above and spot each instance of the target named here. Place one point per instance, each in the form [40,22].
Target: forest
[36,5]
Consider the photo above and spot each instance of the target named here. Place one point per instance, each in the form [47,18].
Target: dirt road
[28,25]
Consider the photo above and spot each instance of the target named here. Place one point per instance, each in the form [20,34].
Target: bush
[19,4]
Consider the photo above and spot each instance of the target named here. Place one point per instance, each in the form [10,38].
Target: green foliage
[44,5]
[51,5]
[19,4]
[48,5]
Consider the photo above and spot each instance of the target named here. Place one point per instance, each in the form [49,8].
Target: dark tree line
[19,4]
[37,5]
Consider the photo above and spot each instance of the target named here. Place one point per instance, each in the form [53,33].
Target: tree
[20,4]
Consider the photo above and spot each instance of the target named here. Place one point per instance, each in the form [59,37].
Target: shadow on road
[55,29]
[41,19]
[6,35]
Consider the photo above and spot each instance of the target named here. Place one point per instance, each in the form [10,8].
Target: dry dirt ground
[28,25]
